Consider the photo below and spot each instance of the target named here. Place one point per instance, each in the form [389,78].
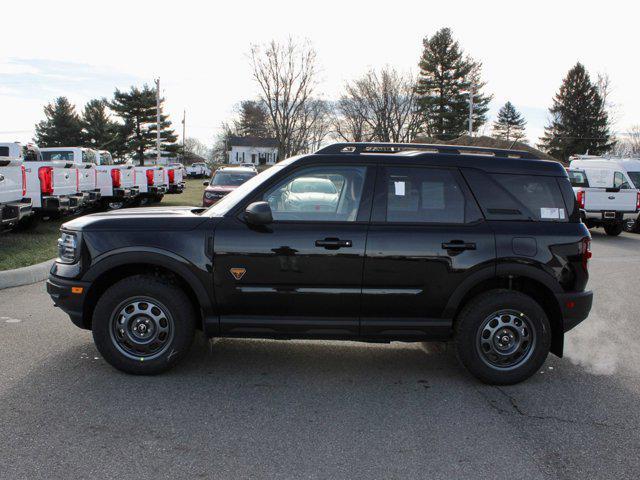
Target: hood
[153,218]
[220,188]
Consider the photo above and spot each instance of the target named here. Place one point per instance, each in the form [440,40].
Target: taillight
[115,177]
[45,174]
[585,251]
[77,180]
[580,194]
[149,177]
[134,177]
[24,180]
[638,201]
[95,176]
[171,176]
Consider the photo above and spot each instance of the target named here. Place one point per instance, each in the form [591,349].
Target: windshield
[578,178]
[232,179]
[312,185]
[232,199]
[635,178]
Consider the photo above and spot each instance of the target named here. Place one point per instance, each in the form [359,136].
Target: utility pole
[471,112]
[184,129]
[157,82]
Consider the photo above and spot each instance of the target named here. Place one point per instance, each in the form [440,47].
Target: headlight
[209,195]
[68,251]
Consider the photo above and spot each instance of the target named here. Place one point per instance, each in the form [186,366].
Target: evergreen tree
[446,77]
[253,121]
[510,124]
[137,108]
[98,130]
[61,126]
[579,123]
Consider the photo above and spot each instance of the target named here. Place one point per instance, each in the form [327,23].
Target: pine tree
[253,121]
[61,127]
[579,123]
[98,130]
[446,77]
[510,124]
[137,108]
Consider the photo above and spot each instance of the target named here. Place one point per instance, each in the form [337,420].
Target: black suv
[372,242]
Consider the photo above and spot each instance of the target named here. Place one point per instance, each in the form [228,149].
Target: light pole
[157,82]
[471,112]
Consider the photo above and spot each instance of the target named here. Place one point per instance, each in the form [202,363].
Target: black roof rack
[372,147]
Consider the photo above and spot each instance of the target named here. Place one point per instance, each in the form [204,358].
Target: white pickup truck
[121,186]
[605,196]
[150,183]
[84,162]
[14,205]
[198,170]
[174,178]
[51,185]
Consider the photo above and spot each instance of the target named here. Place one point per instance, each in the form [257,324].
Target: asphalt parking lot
[298,409]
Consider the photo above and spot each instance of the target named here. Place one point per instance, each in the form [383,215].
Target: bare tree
[628,143]
[286,75]
[379,106]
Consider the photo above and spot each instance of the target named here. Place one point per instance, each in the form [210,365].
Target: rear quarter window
[521,197]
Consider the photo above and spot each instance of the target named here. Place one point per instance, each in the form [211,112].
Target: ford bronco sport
[371,242]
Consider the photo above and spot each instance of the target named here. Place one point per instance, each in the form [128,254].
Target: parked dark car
[423,242]
[225,180]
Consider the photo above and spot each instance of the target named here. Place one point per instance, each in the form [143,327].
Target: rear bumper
[176,187]
[55,204]
[59,289]
[157,189]
[122,193]
[79,199]
[575,308]
[600,216]
[94,196]
[11,213]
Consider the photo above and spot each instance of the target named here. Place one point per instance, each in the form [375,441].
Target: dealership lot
[248,408]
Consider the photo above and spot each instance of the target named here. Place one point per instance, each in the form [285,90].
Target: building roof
[253,142]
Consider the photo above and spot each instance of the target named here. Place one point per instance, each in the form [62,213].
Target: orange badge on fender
[238,273]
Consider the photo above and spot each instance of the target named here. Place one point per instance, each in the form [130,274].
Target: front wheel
[143,325]
[502,337]
[613,229]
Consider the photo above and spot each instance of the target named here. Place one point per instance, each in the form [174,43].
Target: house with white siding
[256,150]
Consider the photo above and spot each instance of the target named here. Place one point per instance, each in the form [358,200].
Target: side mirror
[258,213]
[206,184]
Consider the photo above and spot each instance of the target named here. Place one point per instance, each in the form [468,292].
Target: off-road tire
[470,321]
[161,291]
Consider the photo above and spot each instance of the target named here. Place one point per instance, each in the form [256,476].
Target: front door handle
[458,245]
[333,243]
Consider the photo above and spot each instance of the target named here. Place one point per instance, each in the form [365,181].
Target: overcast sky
[84,50]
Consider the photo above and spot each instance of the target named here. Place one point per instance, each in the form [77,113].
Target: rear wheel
[502,337]
[143,325]
[613,229]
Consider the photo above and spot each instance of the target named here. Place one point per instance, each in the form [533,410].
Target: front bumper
[11,213]
[575,308]
[60,291]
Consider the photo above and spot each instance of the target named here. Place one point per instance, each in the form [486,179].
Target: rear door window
[423,195]
[4,151]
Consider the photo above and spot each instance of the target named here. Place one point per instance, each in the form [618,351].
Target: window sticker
[399,188]
[552,213]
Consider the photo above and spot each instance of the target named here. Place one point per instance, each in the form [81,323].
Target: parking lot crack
[518,410]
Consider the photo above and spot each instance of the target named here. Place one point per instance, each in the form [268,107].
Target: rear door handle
[458,245]
[333,243]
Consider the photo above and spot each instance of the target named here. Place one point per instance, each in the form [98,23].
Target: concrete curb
[26,275]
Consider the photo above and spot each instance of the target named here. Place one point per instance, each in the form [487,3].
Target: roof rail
[374,147]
